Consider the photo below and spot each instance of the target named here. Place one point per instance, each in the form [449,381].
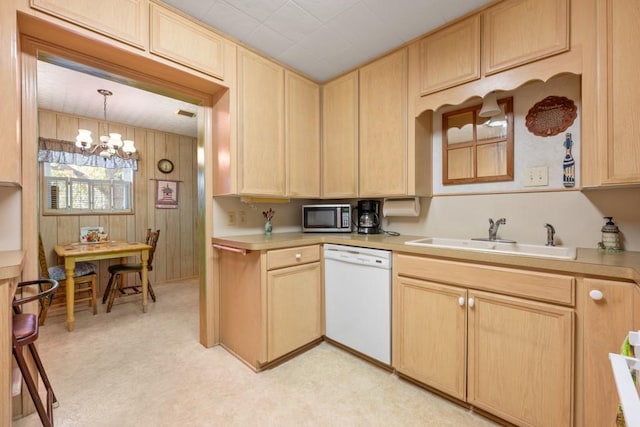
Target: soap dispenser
[610,236]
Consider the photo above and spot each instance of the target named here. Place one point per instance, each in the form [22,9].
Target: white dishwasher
[358,299]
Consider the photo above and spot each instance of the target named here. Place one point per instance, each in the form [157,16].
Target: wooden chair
[115,287]
[84,277]
[24,334]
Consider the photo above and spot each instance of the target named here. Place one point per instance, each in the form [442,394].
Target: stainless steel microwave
[326,218]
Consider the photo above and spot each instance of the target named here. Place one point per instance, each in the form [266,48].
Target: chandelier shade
[108,145]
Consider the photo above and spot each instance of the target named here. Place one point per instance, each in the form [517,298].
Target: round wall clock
[165,165]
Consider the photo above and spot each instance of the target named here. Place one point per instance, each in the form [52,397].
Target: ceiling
[320,38]
[68,91]
[323,38]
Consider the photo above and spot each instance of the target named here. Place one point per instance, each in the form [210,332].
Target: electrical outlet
[231,218]
[242,219]
[536,177]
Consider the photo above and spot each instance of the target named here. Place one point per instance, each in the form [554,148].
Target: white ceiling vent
[185,113]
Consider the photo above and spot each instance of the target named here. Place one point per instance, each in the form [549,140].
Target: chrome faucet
[550,233]
[493,227]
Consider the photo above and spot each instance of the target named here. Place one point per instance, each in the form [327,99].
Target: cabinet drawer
[536,285]
[292,256]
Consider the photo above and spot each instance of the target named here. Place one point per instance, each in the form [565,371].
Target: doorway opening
[108,60]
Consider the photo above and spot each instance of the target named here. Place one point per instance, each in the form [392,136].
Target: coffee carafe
[369,216]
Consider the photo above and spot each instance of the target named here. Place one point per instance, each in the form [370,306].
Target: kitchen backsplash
[11,225]
[576,216]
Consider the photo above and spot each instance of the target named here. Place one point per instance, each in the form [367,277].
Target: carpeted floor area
[127,368]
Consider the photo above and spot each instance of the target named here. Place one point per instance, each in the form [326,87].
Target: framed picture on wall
[166,194]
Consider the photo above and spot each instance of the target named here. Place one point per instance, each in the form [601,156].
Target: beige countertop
[624,265]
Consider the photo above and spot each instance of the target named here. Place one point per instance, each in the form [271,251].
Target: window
[477,149]
[75,190]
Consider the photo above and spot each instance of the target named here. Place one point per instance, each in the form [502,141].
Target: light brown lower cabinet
[520,359]
[270,302]
[293,308]
[429,333]
[529,347]
[509,356]
[610,309]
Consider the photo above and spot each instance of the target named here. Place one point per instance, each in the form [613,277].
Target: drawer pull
[461,301]
[298,257]
[471,302]
[596,295]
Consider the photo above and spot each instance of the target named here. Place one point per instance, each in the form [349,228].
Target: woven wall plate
[552,115]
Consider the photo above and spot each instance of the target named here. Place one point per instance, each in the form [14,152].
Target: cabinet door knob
[471,302]
[298,257]
[596,295]
[461,301]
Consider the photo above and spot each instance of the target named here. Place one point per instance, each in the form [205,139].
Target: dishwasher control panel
[356,255]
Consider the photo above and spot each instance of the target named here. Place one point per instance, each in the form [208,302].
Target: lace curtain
[66,152]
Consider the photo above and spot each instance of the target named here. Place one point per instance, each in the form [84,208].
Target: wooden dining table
[76,252]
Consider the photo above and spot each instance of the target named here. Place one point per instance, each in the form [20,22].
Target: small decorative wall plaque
[552,115]
[166,194]
[568,164]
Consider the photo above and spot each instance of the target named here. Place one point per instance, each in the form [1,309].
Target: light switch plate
[536,177]
[231,218]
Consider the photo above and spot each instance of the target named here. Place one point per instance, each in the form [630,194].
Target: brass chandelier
[109,145]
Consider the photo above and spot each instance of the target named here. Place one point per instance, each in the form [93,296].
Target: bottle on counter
[610,236]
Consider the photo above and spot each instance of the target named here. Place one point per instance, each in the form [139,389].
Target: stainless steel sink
[496,246]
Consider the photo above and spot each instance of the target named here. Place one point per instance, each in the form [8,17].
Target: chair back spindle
[152,240]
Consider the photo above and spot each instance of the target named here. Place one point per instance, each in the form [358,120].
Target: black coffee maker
[369,216]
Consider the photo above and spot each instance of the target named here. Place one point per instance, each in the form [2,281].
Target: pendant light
[489,106]
[109,145]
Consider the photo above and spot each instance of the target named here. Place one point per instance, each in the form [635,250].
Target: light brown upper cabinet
[516,32]
[276,150]
[261,169]
[185,42]
[340,137]
[124,20]
[450,56]
[477,149]
[613,158]
[302,136]
[383,127]
[10,164]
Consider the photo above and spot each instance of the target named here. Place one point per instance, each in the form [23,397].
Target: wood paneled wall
[175,256]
